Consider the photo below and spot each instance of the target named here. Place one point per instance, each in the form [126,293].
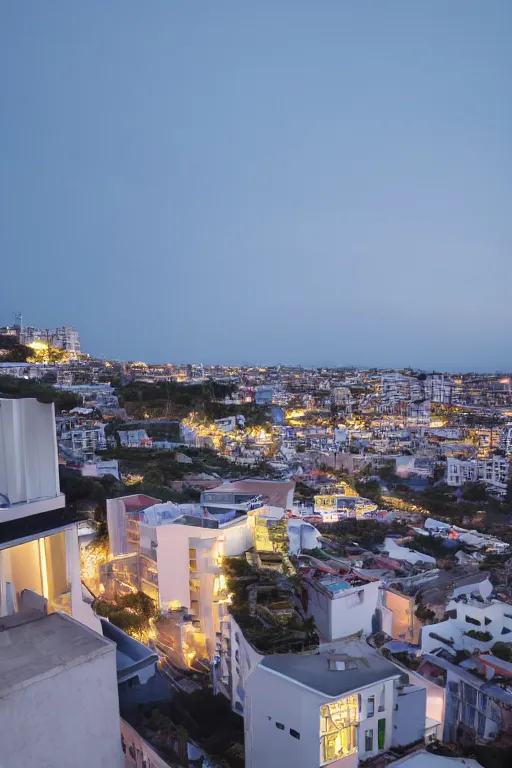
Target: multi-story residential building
[66,337]
[346,503]
[397,388]
[418,413]
[39,551]
[263,395]
[59,702]
[478,697]
[336,707]
[459,472]
[494,472]
[505,441]
[174,554]
[255,493]
[80,439]
[438,388]
[473,623]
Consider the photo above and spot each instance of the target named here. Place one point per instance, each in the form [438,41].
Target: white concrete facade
[58,701]
[492,617]
[343,612]
[29,478]
[272,701]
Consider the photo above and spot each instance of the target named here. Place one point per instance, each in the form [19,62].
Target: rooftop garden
[266,606]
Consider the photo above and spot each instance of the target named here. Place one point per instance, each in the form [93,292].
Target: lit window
[338,722]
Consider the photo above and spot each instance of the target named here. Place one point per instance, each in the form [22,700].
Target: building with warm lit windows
[336,707]
[39,552]
[343,503]
[174,554]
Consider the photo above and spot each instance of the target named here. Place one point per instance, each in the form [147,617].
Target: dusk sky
[316,182]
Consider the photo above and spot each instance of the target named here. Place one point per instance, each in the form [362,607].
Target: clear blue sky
[316,182]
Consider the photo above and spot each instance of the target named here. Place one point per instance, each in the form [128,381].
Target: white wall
[435,696]
[383,694]
[244,660]
[344,615]
[80,610]
[116,522]
[28,452]
[496,613]
[409,715]
[270,698]
[68,719]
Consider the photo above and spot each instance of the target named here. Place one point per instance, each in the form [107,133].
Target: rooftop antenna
[18,323]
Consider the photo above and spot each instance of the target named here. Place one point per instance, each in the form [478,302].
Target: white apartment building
[335,707]
[468,614]
[397,388]
[418,413]
[506,439]
[174,554]
[81,440]
[438,388]
[459,471]
[65,337]
[59,702]
[494,472]
[39,552]
[477,707]
[343,605]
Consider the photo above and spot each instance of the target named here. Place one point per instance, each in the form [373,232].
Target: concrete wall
[68,719]
[435,704]
[409,715]
[495,612]
[28,451]
[349,612]
[383,694]
[244,660]
[271,699]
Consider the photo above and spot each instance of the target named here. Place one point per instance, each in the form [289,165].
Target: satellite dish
[485,588]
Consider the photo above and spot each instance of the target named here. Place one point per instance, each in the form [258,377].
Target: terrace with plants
[266,605]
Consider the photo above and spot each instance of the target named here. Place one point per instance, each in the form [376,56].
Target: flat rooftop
[322,673]
[35,648]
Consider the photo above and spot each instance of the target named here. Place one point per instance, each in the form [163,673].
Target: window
[370,706]
[295,734]
[338,723]
[192,556]
[381,732]
[487,621]
[368,740]
[280,726]
[382,699]
[471,620]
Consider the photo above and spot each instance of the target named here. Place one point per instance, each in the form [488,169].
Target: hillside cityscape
[252,566]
